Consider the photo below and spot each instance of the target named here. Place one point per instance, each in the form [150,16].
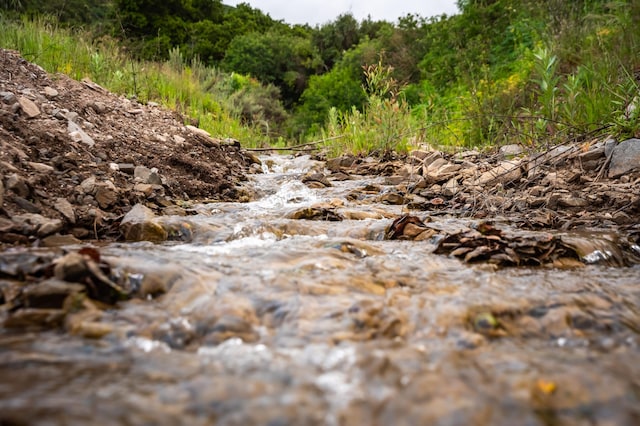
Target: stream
[274,320]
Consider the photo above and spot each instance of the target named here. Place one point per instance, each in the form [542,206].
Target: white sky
[322,11]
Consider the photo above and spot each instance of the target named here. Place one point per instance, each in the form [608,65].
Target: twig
[295,147]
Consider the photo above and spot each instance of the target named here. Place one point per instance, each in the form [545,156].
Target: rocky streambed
[218,287]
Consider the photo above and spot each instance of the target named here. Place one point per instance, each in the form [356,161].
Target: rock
[8,98]
[60,240]
[41,167]
[509,151]
[6,225]
[625,158]
[450,188]
[609,146]
[18,185]
[179,140]
[127,168]
[106,195]
[431,157]
[49,294]
[26,205]
[394,180]
[145,175]
[393,198]
[139,225]
[88,186]
[594,153]
[65,208]
[99,107]
[506,171]
[336,164]
[1,191]
[35,318]
[440,170]
[144,188]
[50,92]
[319,212]
[420,154]
[86,268]
[29,107]
[572,201]
[38,224]
[78,135]
[318,178]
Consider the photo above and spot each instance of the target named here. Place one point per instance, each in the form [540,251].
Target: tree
[274,58]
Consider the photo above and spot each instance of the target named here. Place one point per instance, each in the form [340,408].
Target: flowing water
[273,320]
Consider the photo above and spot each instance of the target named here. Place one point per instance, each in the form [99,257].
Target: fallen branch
[295,147]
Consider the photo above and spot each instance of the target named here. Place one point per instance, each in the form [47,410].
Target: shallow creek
[278,321]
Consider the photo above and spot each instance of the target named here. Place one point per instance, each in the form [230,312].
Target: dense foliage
[526,71]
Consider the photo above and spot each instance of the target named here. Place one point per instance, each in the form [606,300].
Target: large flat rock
[625,157]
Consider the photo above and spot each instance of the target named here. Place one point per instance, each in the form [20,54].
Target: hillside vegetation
[501,71]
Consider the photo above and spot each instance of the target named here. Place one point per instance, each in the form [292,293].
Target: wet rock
[50,294]
[625,158]
[487,243]
[400,228]
[139,225]
[485,323]
[316,180]
[316,213]
[372,319]
[392,198]
[336,165]
[231,326]
[86,268]
[29,107]
[32,318]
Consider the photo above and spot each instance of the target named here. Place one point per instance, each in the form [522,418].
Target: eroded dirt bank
[74,158]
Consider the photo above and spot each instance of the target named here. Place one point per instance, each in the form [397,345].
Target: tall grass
[385,124]
[175,84]
[569,80]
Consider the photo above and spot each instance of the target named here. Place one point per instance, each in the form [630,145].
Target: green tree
[274,58]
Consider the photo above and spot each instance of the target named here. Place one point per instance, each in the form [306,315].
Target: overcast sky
[322,11]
